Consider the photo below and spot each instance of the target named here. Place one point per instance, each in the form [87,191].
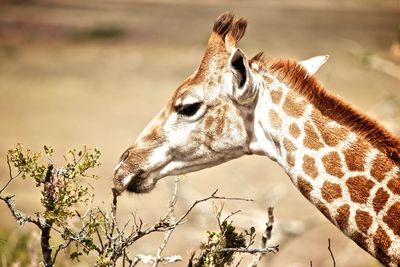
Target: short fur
[331,106]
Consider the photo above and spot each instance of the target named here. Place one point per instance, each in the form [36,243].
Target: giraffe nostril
[125,155]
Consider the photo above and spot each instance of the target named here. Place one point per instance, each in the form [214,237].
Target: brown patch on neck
[363,221]
[331,191]
[359,188]
[294,130]
[355,155]
[380,199]
[304,187]
[311,140]
[342,216]
[392,218]
[332,164]
[274,119]
[382,243]
[333,107]
[309,166]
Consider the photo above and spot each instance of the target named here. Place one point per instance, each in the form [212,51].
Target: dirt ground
[64,84]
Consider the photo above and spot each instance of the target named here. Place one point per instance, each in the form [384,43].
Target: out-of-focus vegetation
[98,33]
[14,247]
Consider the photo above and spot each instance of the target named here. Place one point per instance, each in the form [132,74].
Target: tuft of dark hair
[238,29]
[223,24]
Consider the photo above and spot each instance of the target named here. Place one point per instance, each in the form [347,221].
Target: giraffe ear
[243,90]
[313,64]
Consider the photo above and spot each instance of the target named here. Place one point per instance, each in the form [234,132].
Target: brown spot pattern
[293,108]
[220,121]
[363,220]
[274,119]
[394,185]
[289,146]
[309,166]
[294,130]
[304,187]
[311,139]
[382,243]
[331,135]
[332,164]
[392,218]
[276,96]
[359,188]
[290,159]
[355,155]
[208,122]
[342,216]
[333,107]
[380,199]
[381,166]
[331,191]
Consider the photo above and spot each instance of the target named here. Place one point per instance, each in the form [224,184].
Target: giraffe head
[207,121]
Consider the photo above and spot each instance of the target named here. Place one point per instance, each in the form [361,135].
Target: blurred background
[95,72]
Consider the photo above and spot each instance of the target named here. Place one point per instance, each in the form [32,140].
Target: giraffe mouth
[140,183]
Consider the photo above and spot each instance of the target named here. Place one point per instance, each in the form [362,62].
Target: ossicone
[228,30]
[223,24]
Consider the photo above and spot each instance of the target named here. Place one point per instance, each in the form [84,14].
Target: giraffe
[339,158]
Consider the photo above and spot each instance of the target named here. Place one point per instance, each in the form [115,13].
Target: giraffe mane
[331,106]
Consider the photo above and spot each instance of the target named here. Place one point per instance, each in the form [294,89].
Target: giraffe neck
[353,184]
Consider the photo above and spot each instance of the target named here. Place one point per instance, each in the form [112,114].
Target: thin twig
[273,249]
[266,236]
[10,175]
[330,251]
[60,247]
[212,196]
[100,239]
[114,209]
[171,215]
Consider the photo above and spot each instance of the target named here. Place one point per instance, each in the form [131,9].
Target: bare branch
[212,196]
[151,259]
[21,217]
[60,247]
[9,174]
[171,215]
[266,236]
[273,249]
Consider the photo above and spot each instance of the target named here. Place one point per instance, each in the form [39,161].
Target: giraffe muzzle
[137,182]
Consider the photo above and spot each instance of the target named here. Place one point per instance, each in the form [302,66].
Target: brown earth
[62,86]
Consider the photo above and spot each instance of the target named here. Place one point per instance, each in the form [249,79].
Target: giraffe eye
[188,110]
